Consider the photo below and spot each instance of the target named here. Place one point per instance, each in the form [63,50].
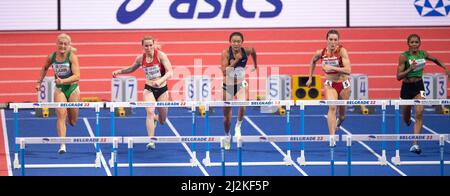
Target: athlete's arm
[130,69]
[437,62]
[315,58]
[252,52]
[43,71]
[167,65]
[401,71]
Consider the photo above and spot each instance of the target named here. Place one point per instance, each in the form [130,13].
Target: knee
[162,120]
[150,114]
[332,109]
[419,115]
[227,120]
[73,122]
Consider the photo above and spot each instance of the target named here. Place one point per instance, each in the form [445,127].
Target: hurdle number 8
[42,91]
[191,90]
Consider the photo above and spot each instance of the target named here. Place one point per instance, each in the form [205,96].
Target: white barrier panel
[287,138]
[67,140]
[96,14]
[45,93]
[249,103]
[144,104]
[428,84]
[174,139]
[197,88]
[57,105]
[421,102]
[28,15]
[359,86]
[124,88]
[440,86]
[395,137]
[342,102]
[399,13]
[278,87]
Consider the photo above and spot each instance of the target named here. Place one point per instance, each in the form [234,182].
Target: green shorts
[67,89]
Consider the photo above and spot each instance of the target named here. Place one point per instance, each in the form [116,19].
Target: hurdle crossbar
[427,102]
[17,106]
[23,141]
[248,103]
[284,138]
[401,137]
[168,139]
[253,103]
[56,105]
[144,104]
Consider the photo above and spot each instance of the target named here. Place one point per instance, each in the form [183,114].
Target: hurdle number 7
[116,87]
[131,90]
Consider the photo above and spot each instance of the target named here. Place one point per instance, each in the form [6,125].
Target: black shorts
[411,90]
[157,92]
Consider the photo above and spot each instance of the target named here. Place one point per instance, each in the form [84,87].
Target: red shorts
[338,86]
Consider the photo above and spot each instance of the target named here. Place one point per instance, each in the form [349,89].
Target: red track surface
[3,162]
[373,51]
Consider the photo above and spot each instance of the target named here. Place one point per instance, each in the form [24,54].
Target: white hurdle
[192,104]
[286,138]
[400,137]
[170,139]
[287,160]
[23,141]
[425,102]
[303,103]
[17,106]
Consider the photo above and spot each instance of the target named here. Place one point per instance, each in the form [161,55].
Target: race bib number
[62,69]
[152,72]
[420,63]
[333,61]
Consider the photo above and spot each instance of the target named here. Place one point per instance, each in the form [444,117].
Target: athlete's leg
[331,94]
[162,112]
[73,112]
[61,114]
[344,95]
[149,121]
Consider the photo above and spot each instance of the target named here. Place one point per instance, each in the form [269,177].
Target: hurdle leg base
[207,160]
[288,159]
[111,160]
[97,160]
[16,163]
[382,159]
[194,160]
[301,160]
[396,159]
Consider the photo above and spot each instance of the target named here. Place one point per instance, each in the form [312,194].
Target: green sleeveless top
[419,59]
[62,69]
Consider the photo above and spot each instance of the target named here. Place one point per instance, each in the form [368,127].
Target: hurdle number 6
[205,91]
